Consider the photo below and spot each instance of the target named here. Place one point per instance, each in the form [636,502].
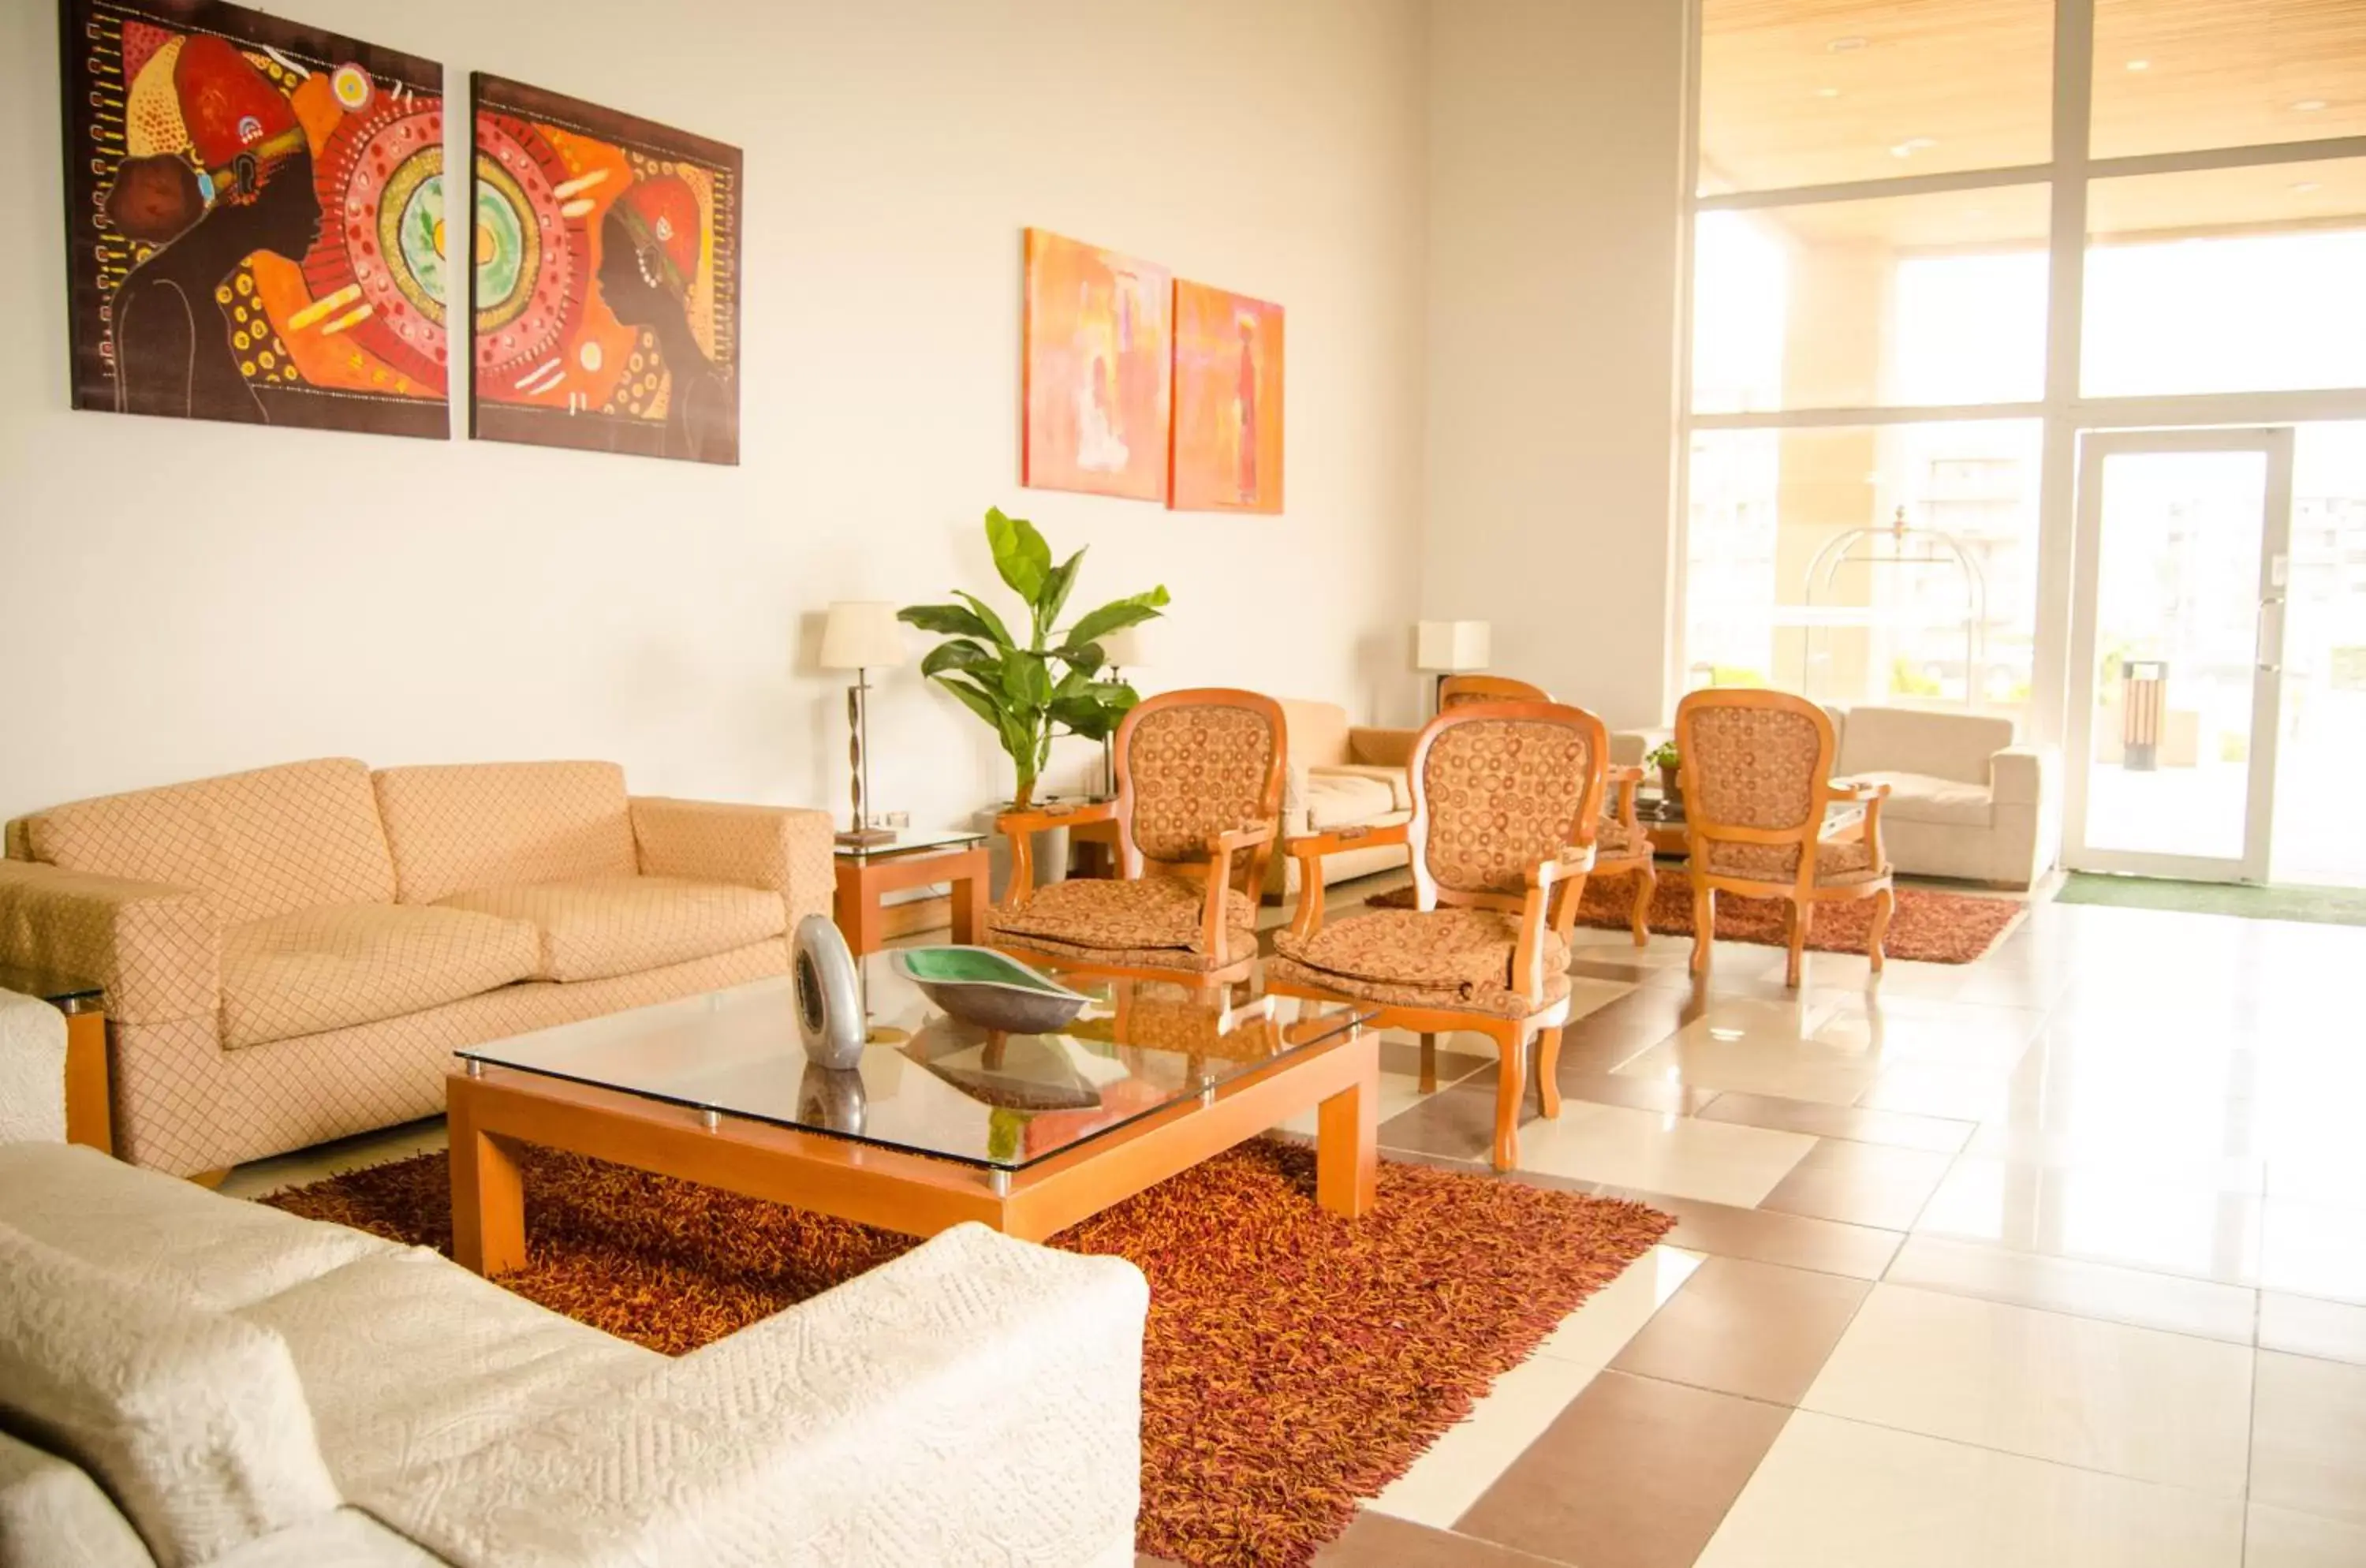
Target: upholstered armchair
[1621,845]
[1507,800]
[1198,800]
[1760,818]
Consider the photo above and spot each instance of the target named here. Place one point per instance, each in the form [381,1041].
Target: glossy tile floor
[2058,1258]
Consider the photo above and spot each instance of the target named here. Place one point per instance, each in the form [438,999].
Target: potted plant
[1666,758]
[1030,691]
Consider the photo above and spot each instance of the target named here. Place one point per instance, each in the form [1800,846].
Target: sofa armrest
[1379,748]
[2025,775]
[32,1071]
[157,950]
[977,1400]
[782,848]
[1633,747]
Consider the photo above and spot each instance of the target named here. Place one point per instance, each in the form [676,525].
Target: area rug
[1294,1362]
[2313,906]
[1928,926]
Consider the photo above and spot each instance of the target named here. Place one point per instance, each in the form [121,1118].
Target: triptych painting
[1140,384]
[258,231]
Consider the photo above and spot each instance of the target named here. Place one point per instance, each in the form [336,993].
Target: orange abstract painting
[1099,337]
[1228,381]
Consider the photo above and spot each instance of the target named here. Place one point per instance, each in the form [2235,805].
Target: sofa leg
[212,1177]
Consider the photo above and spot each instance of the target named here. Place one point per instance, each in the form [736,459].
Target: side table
[867,871]
[89,1118]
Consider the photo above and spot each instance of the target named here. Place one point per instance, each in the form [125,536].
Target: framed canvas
[1228,402]
[606,292]
[254,219]
[1098,391]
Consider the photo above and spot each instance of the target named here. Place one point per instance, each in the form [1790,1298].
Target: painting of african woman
[607,279]
[254,216]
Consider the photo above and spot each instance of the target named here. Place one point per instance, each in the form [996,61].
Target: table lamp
[860,635]
[1449,648]
[1128,647]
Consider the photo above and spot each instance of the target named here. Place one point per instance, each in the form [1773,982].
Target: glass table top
[908,842]
[929,1083]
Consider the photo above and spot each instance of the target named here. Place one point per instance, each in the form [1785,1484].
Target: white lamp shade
[1131,648]
[1446,646]
[862,634]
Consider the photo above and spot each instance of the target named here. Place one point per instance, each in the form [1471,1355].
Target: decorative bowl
[981,986]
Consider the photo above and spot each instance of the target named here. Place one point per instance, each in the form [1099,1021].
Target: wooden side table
[90,1119]
[867,871]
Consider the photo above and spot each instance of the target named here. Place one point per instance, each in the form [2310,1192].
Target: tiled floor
[2055,1260]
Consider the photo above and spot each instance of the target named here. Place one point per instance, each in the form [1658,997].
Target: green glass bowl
[981,986]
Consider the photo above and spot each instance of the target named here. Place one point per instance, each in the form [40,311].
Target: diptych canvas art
[1098,340]
[254,218]
[1228,391]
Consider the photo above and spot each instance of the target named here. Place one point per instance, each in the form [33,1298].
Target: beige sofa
[187,1378]
[1341,775]
[292,954]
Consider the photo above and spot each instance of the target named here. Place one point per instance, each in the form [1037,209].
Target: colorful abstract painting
[1228,390]
[1099,338]
[255,215]
[606,283]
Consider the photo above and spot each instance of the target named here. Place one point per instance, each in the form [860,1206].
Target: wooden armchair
[1760,818]
[1622,847]
[1507,798]
[1197,806]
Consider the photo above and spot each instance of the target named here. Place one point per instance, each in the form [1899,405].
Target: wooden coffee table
[1027,1133]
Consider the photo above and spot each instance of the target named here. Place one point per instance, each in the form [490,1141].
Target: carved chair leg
[1803,915]
[1884,903]
[1704,924]
[1429,1064]
[1510,1088]
[1548,1063]
[1647,882]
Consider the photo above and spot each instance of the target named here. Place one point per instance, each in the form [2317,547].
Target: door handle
[2267,653]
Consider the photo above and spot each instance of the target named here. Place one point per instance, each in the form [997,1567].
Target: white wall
[187,598]
[1554,218]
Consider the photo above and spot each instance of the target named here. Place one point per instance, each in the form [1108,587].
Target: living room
[528,1151]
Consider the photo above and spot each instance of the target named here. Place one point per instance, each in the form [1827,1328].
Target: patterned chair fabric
[1751,767]
[1502,796]
[1150,912]
[1836,864]
[1444,958]
[1196,771]
[1614,840]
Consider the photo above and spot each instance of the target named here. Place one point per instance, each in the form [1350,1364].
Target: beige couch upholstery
[292,954]
[32,1071]
[187,1378]
[1341,775]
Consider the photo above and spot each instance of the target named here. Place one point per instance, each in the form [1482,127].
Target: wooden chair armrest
[1852,789]
[1554,887]
[1247,835]
[1338,840]
[1215,929]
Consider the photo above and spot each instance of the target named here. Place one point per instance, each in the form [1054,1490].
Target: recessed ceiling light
[1842,45]
[2140,64]
[2304,186]
[1828,92]
[2309,105]
[1911,145]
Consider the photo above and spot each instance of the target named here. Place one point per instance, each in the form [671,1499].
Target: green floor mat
[2319,906]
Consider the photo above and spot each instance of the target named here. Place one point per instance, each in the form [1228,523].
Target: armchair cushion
[1150,912]
[1452,958]
[332,968]
[44,1498]
[1836,864]
[599,927]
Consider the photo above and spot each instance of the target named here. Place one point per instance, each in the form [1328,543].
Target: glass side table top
[907,842]
[929,1084]
[66,992]
[1656,810]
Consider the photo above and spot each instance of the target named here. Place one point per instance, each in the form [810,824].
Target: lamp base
[863,838]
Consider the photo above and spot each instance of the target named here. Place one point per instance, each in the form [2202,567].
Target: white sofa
[187,1378]
[1340,776]
[33,1070]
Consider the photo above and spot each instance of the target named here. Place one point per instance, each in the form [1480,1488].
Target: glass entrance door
[2183,569]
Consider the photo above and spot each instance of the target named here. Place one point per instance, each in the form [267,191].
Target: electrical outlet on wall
[900,819]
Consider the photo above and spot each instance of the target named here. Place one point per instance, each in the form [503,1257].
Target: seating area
[1248,783]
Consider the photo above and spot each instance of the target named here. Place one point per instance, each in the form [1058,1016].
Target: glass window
[1846,90]
[2227,280]
[1894,301]
[2320,833]
[1868,564]
[2180,75]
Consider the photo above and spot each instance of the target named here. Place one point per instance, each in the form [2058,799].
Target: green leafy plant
[1664,755]
[1031,692]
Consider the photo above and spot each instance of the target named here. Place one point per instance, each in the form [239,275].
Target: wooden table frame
[860,881]
[90,1116]
[493,1110]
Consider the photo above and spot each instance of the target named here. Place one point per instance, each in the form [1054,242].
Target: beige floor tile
[1834,1493]
[1712,1160]
[2201,1307]
[1754,1329]
[1456,1470]
[1709,1055]
[1895,1129]
[1794,1241]
[2131,1402]
[2134,1219]
[2314,1249]
[1863,1184]
[2303,1326]
[2308,1437]
[2278,1538]
[1377,1541]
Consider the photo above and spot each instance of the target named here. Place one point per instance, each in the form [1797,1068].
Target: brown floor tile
[1379,1541]
[1457,1123]
[2308,1436]
[1456,1059]
[1635,1473]
[1796,1241]
[2332,1331]
[1755,1329]
[1898,1129]
[1860,1184]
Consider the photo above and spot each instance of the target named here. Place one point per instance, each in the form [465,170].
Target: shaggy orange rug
[1295,1362]
[1928,926]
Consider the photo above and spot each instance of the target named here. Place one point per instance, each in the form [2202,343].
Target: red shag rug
[1294,1362]
[1928,926]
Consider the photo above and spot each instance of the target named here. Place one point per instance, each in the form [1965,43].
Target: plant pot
[1672,789]
[1051,849]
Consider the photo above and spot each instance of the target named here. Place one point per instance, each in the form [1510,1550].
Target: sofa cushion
[622,925]
[1318,733]
[163,1233]
[193,1421]
[1924,798]
[51,1512]
[499,824]
[1397,781]
[1917,741]
[259,844]
[409,1361]
[1342,800]
[331,968]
